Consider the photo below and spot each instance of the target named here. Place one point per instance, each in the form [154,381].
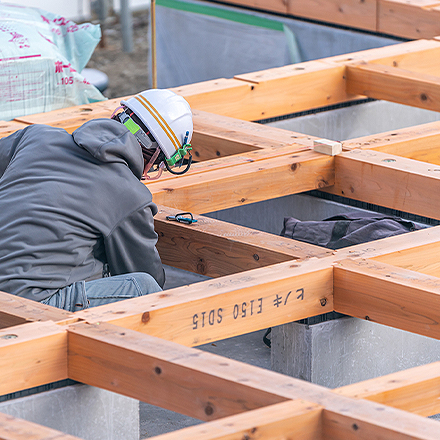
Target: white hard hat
[168,117]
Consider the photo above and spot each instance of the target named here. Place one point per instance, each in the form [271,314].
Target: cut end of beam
[325,146]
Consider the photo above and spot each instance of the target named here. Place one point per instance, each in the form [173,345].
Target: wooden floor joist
[142,347]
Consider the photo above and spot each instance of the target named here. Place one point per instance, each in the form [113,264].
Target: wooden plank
[15,310]
[31,355]
[421,56]
[424,259]
[391,245]
[395,85]
[160,372]
[293,88]
[416,390]
[290,419]
[208,387]
[267,5]
[226,307]
[71,118]
[272,92]
[247,183]
[337,425]
[9,127]
[386,180]
[220,96]
[215,248]
[354,13]
[419,142]
[12,428]
[388,295]
[217,136]
[409,19]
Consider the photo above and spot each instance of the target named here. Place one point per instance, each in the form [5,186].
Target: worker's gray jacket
[69,204]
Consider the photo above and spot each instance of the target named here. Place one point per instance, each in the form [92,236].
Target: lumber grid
[408,19]
[145,347]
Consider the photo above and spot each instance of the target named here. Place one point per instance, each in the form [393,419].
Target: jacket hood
[110,141]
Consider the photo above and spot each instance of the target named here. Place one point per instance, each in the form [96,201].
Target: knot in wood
[145,317]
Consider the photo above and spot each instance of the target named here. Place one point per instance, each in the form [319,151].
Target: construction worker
[73,208]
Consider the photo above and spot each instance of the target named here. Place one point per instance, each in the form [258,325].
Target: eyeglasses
[182,217]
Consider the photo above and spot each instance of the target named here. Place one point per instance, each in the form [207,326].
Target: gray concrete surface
[347,350]
[80,410]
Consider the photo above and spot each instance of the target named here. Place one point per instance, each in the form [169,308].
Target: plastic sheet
[41,55]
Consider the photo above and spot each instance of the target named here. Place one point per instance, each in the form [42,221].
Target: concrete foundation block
[347,350]
[80,410]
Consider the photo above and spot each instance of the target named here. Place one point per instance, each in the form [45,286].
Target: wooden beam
[353,13]
[73,117]
[207,387]
[31,355]
[420,56]
[215,248]
[272,92]
[424,259]
[338,425]
[409,19]
[212,95]
[225,307]
[268,5]
[416,390]
[419,142]
[246,183]
[290,419]
[394,84]
[387,180]
[160,372]
[388,295]
[9,127]
[217,136]
[15,310]
[12,428]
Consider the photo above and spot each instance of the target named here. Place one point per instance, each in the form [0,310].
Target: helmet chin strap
[150,164]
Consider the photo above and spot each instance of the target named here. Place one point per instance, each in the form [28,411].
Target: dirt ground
[128,73]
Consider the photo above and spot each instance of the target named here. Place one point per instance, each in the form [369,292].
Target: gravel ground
[127,73]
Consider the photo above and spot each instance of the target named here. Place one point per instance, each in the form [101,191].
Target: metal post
[126,27]
[153,43]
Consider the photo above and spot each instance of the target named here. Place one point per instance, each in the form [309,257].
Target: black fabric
[346,229]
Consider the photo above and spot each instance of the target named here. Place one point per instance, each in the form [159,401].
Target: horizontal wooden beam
[247,183]
[409,19]
[424,259]
[225,307]
[208,387]
[394,84]
[73,117]
[339,425]
[9,127]
[160,372]
[215,248]
[402,18]
[419,142]
[416,390]
[272,92]
[290,419]
[31,355]
[217,136]
[15,310]
[387,180]
[12,428]
[388,295]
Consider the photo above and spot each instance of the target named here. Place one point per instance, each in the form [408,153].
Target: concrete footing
[347,350]
[80,410]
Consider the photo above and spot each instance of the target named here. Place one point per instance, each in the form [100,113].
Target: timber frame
[142,347]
